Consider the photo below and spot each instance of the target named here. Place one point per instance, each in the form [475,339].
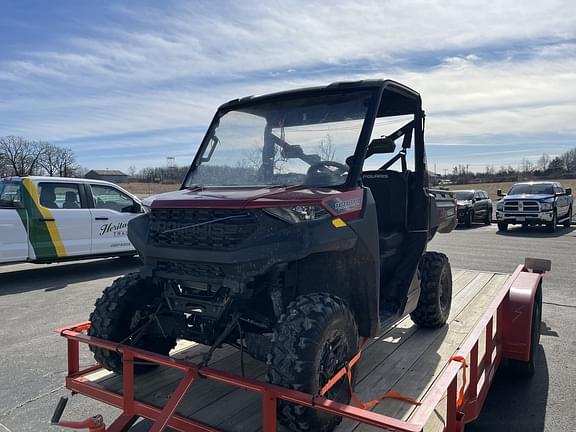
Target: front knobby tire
[435,291]
[124,307]
[312,341]
[527,369]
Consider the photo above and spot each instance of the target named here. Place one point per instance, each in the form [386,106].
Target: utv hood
[242,197]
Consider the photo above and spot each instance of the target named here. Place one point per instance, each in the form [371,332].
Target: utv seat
[389,189]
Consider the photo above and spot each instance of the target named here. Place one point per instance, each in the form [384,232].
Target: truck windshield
[9,192]
[301,140]
[538,188]
[463,195]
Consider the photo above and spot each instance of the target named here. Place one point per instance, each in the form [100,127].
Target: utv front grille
[210,229]
[189,270]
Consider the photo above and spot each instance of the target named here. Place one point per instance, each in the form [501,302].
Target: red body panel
[517,318]
[346,204]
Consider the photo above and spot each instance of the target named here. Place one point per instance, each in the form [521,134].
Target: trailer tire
[526,369]
[123,307]
[313,339]
[435,299]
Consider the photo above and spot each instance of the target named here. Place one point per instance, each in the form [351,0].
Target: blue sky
[131,82]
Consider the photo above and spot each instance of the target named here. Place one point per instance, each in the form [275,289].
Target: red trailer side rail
[511,308]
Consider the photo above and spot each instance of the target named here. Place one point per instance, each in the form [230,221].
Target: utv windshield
[546,189]
[301,140]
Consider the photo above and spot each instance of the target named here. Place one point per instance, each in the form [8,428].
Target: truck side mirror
[499,192]
[568,191]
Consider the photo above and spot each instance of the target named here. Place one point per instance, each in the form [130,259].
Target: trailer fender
[517,315]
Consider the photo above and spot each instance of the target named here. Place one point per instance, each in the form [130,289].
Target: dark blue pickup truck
[535,203]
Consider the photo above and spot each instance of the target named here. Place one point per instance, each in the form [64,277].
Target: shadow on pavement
[62,275]
[515,404]
[538,232]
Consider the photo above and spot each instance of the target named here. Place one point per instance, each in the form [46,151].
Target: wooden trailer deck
[404,358]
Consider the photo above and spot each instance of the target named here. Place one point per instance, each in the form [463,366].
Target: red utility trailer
[432,380]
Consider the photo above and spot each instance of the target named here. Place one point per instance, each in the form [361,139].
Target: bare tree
[21,155]
[326,149]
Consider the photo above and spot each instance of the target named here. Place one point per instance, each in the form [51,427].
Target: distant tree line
[546,167]
[21,157]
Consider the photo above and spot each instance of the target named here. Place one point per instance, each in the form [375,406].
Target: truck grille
[522,206]
[213,229]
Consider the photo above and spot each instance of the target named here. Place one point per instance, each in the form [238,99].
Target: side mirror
[499,192]
[568,191]
[137,208]
[381,145]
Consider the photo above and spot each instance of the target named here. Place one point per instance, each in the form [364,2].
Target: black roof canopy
[397,99]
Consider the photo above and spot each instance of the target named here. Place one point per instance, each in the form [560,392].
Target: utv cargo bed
[424,365]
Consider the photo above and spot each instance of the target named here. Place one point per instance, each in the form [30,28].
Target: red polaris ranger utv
[294,234]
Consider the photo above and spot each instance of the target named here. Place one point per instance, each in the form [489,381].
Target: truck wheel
[568,221]
[469,219]
[312,341]
[124,307]
[551,226]
[435,291]
[488,218]
[526,369]
[502,226]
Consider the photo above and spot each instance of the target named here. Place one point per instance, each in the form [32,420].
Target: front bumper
[524,217]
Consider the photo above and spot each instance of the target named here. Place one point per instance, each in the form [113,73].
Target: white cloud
[162,70]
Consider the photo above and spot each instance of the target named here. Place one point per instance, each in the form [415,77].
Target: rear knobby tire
[313,340]
[526,369]
[124,307]
[502,226]
[435,291]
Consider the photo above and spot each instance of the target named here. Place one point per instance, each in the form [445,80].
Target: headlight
[546,206]
[298,214]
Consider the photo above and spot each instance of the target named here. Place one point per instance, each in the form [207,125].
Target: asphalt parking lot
[36,299]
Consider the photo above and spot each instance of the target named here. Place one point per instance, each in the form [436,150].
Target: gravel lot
[35,299]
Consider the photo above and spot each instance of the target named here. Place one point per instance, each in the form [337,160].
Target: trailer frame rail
[510,338]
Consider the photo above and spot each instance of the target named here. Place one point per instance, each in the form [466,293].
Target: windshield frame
[360,146]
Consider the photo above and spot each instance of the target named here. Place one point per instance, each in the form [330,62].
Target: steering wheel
[321,174]
[320,168]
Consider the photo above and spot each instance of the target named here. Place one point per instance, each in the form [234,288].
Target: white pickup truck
[49,219]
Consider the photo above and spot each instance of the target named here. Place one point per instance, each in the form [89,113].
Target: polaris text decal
[345,206]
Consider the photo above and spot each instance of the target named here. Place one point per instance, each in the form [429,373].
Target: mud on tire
[436,291]
[311,342]
[123,308]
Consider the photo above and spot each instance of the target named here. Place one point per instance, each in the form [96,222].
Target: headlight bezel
[298,213]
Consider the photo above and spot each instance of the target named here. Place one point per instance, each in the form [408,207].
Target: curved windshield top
[463,195]
[302,140]
[527,188]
